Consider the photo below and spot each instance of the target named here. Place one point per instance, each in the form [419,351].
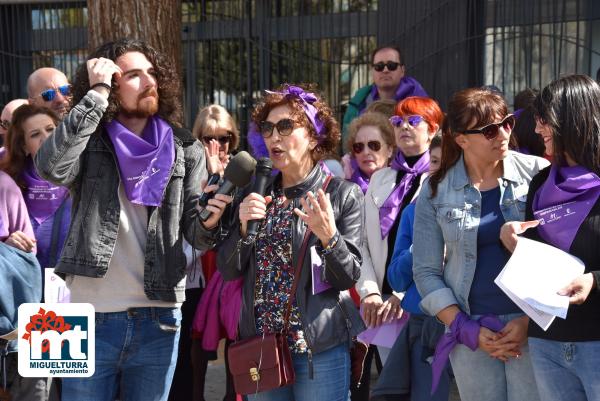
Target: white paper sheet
[55,289]
[532,277]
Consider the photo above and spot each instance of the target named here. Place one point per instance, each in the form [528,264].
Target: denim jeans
[480,377]
[566,371]
[331,381]
[136,353]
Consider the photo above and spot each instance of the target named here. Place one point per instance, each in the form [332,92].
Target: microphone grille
[240,169]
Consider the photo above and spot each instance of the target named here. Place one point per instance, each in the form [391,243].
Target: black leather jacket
[330,317]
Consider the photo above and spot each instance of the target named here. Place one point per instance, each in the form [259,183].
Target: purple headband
[307,99]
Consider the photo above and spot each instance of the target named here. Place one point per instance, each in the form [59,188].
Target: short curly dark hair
[329,137]
[169,102]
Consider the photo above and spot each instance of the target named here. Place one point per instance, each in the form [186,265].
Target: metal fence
[232,49]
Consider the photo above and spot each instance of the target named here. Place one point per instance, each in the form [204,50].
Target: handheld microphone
[237,174]
[263,172]
[212,179]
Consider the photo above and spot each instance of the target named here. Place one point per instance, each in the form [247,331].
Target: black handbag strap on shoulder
[298,270]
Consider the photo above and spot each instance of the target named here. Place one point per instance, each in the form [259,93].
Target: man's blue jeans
[331,381]
[566,371]
[136,353]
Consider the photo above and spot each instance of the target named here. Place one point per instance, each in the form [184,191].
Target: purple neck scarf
[41,197]
[562,203]
[408,87]
[464,331]
[144,161]
[390,209]
[358,177]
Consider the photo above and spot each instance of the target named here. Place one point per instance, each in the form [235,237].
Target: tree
[157,22]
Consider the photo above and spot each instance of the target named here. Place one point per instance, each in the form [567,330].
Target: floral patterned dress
[275,274]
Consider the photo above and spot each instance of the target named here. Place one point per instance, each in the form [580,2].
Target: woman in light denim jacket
[457,252]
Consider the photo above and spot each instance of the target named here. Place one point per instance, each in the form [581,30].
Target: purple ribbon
[407,87]
[562,203]
[464,331]
[307,99]
[145,161]
[41,197]
[390,209]
[358,177]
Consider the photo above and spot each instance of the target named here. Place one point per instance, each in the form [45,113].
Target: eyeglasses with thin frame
[223,140]
[358,147]
[285,127]
[49,94]
[491,131]
[413,121]
[391,66]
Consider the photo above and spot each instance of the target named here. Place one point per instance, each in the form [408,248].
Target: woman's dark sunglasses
[358,147]
[49,94]
[391,66]
[284,127]
[413,121]
[491,131]
[223,140]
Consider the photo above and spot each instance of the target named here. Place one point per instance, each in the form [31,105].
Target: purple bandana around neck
[307,99]
[390,209]
[41,197]
[408,87]
[562,203]
[144,161]
[464,331]
[358,177]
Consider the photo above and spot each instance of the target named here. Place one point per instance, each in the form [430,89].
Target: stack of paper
[533,276]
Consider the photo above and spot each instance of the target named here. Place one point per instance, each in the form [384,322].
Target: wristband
[332,243]
[104,85]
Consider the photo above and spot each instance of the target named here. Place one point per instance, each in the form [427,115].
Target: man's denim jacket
[450,220]
[80,156]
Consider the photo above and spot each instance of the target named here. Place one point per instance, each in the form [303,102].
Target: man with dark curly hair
[135,177]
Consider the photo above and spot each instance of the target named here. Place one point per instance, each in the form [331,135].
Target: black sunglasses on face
[491,131]
[358,147]
[391,66]
[223,140]
[284,127]
[49,94]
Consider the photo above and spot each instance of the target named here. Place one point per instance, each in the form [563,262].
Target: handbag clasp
[254,375]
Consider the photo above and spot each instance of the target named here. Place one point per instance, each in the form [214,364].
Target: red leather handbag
[264,362]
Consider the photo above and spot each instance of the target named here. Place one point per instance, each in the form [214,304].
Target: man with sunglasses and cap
[389,82]
[49,87]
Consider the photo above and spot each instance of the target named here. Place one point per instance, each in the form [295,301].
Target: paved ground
[215,381]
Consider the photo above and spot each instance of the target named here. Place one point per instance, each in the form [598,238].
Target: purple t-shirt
[13,212]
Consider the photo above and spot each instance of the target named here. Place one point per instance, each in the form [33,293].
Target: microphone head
[264,166]
[240,169]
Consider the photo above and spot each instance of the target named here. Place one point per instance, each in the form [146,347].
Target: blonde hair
[372,119]
[214,117]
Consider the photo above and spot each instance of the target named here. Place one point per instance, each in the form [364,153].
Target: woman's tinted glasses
[358,147]
[49,94]
[391,65]
[491,131]
[413,121]
[223,140]
[284,127]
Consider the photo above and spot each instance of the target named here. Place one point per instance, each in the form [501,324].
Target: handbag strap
[298,270]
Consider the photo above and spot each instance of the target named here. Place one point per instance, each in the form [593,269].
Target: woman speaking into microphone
[302,206]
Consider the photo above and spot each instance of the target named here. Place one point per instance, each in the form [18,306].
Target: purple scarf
[390,209]
[144,161]
[358,177]
[464,331]
[562,203]
[408,87]
[41,197]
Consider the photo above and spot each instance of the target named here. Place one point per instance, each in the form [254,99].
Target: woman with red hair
[391,189]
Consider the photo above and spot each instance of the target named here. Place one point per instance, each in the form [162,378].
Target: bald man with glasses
[389,82]
[49,87]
